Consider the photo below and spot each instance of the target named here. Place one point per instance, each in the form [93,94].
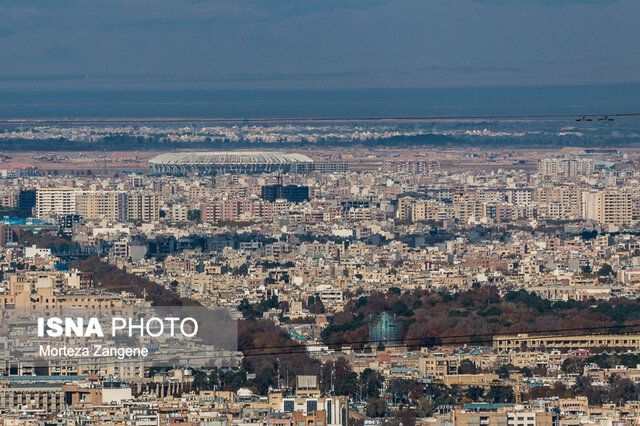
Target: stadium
[211,163]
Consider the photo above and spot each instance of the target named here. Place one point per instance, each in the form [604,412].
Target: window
[289,406]
[312,405]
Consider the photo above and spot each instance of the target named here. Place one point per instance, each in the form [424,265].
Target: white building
[51,202]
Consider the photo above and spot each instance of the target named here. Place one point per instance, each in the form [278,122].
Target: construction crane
[518,391]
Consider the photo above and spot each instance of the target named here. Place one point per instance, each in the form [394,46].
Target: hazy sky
[317,43]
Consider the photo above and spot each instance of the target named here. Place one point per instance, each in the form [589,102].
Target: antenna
[333,370]
[104,164]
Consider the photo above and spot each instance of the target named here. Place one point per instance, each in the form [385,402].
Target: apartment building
[103,205]
[143,207]
[474,414]
[438,365]
[32,396]
[608,207]
[562,202]
[331,411]
[51,202]
[179,213]
[568,167]
[236,209]
[7,234]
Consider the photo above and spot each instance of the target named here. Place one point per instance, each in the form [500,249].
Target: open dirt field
[359,159]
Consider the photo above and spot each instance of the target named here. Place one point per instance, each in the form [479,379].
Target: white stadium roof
[229,157]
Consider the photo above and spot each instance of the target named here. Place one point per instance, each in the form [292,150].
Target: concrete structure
[293,193]
[438,365]
[143,207]
[179,213]
[520,341]
[320,167]
[108,205]
[7,234]
[568,167]
[608,207]
[496,415]
[210,163]
[51,202]
[332,411]
[236,210]
[14,170]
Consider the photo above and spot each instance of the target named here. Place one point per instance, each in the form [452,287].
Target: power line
[461,339]
[310,119]
[535,334]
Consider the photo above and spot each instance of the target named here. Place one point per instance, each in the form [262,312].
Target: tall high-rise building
[51,202]
[566,167]
[403,211]
[179,213]
[320,167]
[103,204]
[236,209]
[564,202]
[143,207]
[608,207]
[293,193]
[7,235]
[27,199]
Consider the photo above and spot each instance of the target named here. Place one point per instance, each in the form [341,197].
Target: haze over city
[248,44]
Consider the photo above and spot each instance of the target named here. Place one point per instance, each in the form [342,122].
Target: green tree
[503,372]
[315,305]
[467,367]
[332,374]
[371,383]
[349,385]
[500,394]
[233,380]
[622,390]
[474,393]
[376,407]
[401,309]
[572,366]
[605,270]
[408,390]
[241,270]
[425,406]
[326,377]
[200,380]
[264,380]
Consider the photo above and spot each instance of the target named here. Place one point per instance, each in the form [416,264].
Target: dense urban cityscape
[458,285]
[320,213]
